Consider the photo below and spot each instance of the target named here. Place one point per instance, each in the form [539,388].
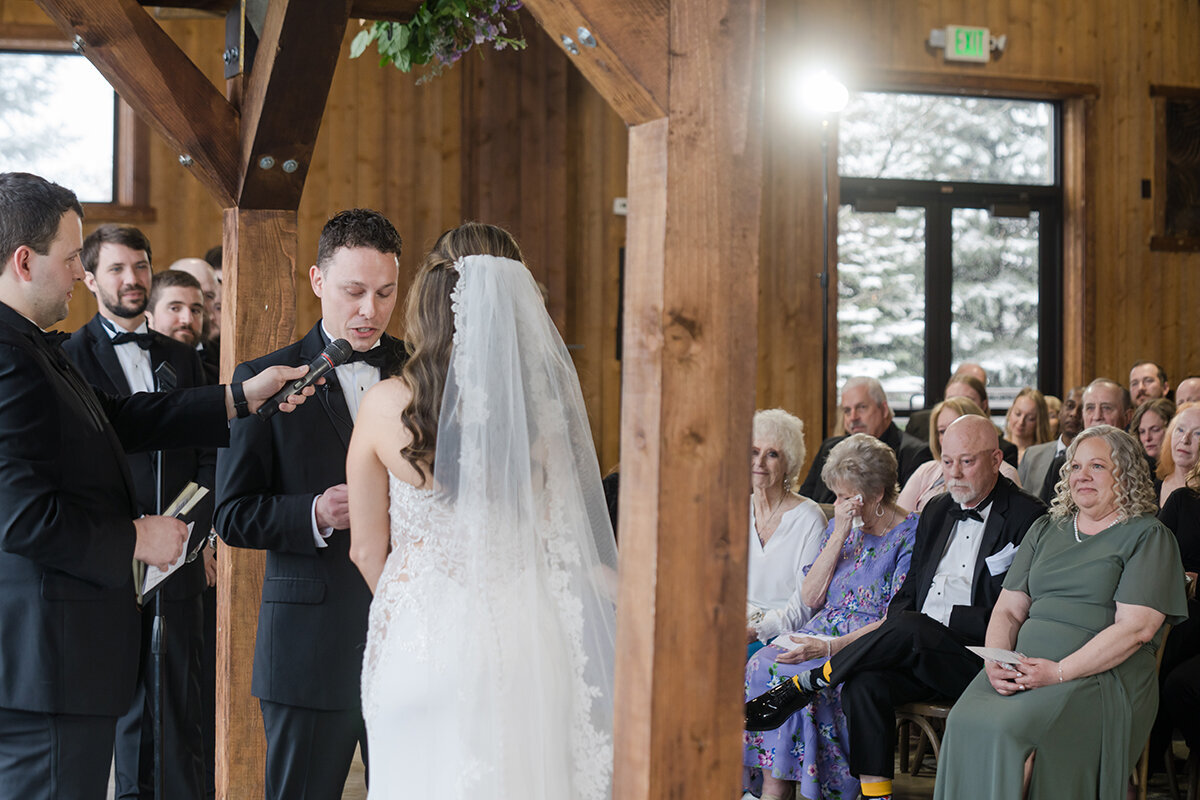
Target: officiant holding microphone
[70,528]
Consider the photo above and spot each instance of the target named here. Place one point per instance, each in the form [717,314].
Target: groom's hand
[333,508]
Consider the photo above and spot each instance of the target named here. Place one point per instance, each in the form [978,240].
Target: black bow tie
[54,339]
[959,513]
[142,340]
[376,357]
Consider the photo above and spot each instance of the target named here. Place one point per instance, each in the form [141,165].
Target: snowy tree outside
[994,273]
[57,120]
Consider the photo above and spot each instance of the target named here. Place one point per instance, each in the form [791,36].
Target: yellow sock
[877,789]
[827,670]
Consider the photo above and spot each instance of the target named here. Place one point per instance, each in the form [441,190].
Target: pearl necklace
[1075,525]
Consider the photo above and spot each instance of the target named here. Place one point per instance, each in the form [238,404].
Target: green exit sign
[964,43]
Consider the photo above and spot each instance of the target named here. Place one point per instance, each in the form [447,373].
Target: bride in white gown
[478,520]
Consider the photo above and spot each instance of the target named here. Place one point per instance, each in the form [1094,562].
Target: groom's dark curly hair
[357,227]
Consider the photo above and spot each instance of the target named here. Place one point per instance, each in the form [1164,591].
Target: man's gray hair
[873,386]
[1122,390]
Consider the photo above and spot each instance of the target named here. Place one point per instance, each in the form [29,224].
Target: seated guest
[1039,469]
[785,528]
[1181,450]
[1150,423]
[965,541]
[1028,421]
[1083,604]
[1053,407]
[1188,391]
[864,559]
[1179,671]
[1147,381]
[1106,402]
[865,410]
[928,482]
[970,381]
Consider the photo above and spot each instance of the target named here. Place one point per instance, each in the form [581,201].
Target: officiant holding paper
[965,541]
[69,513]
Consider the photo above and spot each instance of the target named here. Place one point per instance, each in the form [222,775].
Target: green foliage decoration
[440,33]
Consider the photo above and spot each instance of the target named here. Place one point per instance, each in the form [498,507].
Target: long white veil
[516,468]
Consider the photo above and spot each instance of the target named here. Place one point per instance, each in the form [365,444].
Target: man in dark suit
[210,336]
[69,525]
[865,409]
[965,542]
[281,488]
[117,353]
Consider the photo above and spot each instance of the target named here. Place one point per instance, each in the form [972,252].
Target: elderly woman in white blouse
[785,528]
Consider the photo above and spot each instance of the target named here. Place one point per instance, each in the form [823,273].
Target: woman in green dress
[1084,603]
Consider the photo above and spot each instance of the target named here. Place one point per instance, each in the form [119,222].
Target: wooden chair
[930,719]
[1142,770]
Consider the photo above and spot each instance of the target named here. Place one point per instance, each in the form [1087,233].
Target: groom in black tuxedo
[965,542]
[281,487]
[69,524]
[118,354]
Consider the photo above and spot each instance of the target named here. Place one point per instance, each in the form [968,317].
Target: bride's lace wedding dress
[488,664]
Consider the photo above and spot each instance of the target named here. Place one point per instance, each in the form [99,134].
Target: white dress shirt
[951,585]
[135,362]
[354,378]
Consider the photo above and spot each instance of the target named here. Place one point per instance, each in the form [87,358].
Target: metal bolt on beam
[291,165]
[185,160]
[569,44]
[585,37]
[77,44]
[266,162]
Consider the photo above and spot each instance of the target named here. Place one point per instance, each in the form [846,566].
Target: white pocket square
[999,562]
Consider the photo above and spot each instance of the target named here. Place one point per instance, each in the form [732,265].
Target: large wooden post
[262,301]
[695,182]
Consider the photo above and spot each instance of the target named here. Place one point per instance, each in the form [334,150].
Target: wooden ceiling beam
[160,82]
[391,10]
[626,59]
[286,92]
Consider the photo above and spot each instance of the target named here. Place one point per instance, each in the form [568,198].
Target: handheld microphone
[336,353]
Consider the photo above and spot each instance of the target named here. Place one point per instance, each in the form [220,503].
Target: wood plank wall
[1145,299]
[517,139]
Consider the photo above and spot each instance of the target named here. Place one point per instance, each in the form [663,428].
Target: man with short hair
[1188,391]
[1147,381]
[965,542]
[176,306]
[70,528]
[1106,402]
[117,353]
[865,409]
[210,344]
[1040,468]
[281,487]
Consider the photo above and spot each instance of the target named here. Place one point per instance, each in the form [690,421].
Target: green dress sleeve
[1153,573]
[1017,579]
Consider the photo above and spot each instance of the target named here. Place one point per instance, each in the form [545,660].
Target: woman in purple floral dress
[864,558]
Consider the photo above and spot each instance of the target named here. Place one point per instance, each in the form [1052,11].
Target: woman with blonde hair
[1180,450]
[1028,421]
[478,521]
[927,482]
[1064,709]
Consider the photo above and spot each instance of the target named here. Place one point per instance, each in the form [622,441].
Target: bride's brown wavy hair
[429,330]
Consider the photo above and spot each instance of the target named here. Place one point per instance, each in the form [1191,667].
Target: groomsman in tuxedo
[281,487]
[118,354]
[965,542]
[69,513]
[210,337]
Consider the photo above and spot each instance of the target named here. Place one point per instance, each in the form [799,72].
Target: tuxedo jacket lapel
[991,534]
[333,402]
[106,357]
